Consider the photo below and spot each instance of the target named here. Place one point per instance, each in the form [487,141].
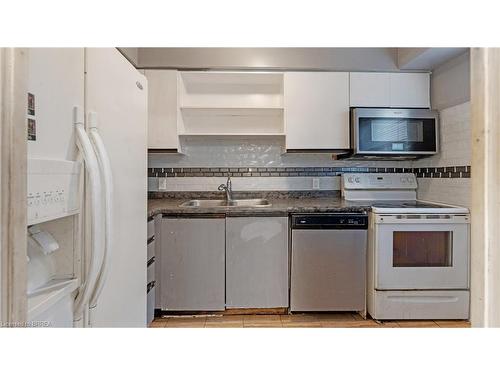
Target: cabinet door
[403,90]
[256,262]
[410,90]
[162,109]
[316,110]
[370,90]
[56,81]
[192,264]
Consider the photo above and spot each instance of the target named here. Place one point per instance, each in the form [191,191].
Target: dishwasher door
[328,270]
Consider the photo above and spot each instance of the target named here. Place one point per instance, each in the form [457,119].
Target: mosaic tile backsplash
[279,178]
[424,172]
[233,152]
[455,149]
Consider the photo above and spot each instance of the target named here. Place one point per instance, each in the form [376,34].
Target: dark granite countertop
[282,204]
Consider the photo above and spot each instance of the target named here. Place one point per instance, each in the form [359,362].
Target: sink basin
[207,203]
[204,203]
[249,203]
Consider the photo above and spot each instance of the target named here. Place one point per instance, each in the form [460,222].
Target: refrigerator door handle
[105,168]
[96,214]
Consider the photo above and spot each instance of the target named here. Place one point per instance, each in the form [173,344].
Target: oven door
[379,131]
[427,251]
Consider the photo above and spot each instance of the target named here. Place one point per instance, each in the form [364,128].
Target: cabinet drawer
[151,290]
[151,270]
[151,248]
[151,228]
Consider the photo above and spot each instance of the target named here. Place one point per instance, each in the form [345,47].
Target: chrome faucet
[228,188]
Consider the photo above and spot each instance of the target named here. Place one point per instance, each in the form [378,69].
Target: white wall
[426,58]
[450,83]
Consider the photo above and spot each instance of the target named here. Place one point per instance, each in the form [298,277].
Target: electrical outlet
[162,183]
[315,183]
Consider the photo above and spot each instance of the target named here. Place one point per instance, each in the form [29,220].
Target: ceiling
[340,59]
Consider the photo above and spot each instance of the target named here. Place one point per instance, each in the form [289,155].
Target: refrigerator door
[56,79]
[55,88]
[117,93]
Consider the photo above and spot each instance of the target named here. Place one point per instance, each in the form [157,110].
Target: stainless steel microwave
[383,133]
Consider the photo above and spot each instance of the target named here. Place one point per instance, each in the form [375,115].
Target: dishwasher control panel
[330,221]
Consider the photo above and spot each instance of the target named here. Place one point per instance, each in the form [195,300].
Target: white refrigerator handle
[105,167]
[96,214]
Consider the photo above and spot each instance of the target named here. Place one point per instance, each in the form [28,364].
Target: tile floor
[336,320]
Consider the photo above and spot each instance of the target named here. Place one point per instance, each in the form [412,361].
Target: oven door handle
[422,219]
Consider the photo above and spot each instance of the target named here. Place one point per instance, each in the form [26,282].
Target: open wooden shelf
[230,90]
[232,111]
[231,120]
[230,104]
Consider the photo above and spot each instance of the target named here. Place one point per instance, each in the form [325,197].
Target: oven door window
[397,134]
[422,249]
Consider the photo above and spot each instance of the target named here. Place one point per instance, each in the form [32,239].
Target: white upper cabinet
[316,106]
[370,90]
[410,90]
[405,90]
[162,109]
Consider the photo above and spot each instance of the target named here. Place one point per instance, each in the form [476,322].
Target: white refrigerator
[87,117]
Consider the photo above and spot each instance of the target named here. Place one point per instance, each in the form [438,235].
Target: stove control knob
[350,179]
[357,180]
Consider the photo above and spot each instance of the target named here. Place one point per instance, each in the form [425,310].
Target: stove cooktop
[414,207]
[407,204]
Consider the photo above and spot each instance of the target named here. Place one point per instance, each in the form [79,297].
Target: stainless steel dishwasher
[328,270]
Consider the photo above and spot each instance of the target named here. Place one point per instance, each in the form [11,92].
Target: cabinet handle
[150,286]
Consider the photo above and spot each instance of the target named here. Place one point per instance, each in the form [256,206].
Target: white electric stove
[418,251]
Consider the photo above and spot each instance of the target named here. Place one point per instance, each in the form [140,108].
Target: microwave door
[395,132]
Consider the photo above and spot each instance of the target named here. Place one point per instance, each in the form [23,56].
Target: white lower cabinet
[209,264]
[256,262]
[192,264]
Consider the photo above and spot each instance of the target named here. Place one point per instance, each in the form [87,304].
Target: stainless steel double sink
[208,203]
